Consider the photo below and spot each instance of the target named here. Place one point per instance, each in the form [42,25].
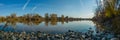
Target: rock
[71,35]
[13,37]
[83,36]
[114,39]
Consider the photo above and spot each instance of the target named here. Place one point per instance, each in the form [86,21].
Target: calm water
[78,26]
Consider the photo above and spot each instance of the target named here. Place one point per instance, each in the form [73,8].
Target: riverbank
[70,35]
[108,15]
[110,24]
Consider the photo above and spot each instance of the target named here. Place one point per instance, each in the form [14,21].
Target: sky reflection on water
[78,26]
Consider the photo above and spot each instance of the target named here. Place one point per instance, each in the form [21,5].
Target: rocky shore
[70,35]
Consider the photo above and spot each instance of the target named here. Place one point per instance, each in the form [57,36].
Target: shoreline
[70,35]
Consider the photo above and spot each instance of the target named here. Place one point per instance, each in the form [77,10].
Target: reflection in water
[35,22]
[110,27]
[102,29]
[46,23]
[13,24]
[113,26]
[84,28]
[41,26]
[116,26]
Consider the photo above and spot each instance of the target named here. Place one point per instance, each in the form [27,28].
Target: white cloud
[34,8]
[101,0]
[25,5]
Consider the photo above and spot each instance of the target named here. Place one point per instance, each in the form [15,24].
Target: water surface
[59,27]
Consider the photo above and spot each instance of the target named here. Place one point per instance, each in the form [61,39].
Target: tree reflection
[113,26]
[53,19]
[36,19]
[62,19]
[116,26]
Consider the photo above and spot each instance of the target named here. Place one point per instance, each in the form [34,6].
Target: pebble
[70,35]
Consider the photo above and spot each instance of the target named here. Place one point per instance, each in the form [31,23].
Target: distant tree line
[35,18]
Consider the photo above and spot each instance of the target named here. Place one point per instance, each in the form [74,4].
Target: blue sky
[73,8]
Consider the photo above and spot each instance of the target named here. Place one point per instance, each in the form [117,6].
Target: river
[84,29]
[58,27]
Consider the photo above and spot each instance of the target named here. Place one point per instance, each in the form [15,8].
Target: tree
[13,15]
[53,17]
[62,19]
[108,8]
[46,16]
[62,16]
